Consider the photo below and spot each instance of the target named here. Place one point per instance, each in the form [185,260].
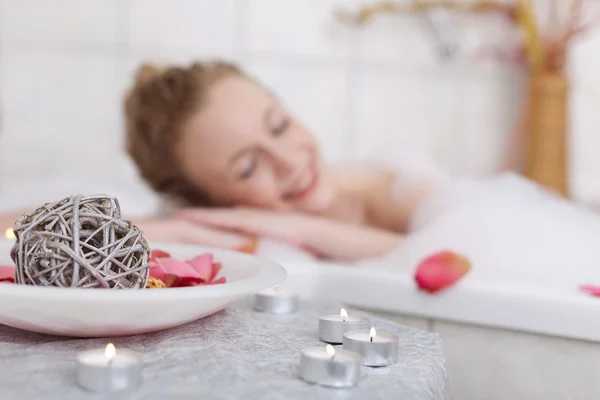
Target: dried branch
[368,12]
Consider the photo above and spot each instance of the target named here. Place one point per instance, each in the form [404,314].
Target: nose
[285,159]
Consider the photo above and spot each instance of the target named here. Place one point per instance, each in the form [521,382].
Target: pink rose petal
[159,254]
[200,270]
[157,271]
[215,271]
[219,281]
[594,290]
[203,265]
[179,273]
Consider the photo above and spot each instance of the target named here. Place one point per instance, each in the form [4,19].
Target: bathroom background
[65,64]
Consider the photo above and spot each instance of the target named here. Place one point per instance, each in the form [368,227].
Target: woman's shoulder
[353,174]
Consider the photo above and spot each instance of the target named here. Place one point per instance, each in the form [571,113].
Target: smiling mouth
[305,188]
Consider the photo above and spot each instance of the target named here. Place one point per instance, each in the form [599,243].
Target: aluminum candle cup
[332,327]
[377,349]
[329,367]
[276,300]
[108,370]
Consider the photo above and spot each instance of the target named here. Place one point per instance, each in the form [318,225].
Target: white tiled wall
[64,65]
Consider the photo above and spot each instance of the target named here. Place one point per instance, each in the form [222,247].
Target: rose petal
[183,281]
[179,273]
[157,271]
[199,270]
[203,265]
[218,281]
[441,270]
[216,268]
[7,274]
[155,253]
[591,289]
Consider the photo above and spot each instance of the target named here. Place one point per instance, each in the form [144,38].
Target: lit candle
[377,349]
[332,327]
[9,233]
[276,300]
[329,367]
[108,370]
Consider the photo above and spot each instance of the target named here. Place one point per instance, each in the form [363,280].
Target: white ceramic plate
[99,313]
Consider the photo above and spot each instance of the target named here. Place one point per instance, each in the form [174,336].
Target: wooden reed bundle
[546,132]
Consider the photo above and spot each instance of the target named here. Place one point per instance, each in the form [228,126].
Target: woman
[218,143]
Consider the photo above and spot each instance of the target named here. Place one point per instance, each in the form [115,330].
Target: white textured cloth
[234,354]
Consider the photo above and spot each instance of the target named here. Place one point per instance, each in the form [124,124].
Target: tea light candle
[329,367]
[377,349]
[276,300]
[108,370]
[332,327]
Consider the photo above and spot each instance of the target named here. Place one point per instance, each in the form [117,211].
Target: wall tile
[395,38]
[584,144]
[399,95]
[493,364]
[584,119]
[396,112]
[411,41]
[60,113]
[135,58]
[63,21]
[316,95]
[490,112]
[293,27]
[205,27]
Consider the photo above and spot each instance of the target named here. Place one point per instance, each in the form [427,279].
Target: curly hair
[158,104]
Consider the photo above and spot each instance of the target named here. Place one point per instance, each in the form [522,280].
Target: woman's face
[243,148]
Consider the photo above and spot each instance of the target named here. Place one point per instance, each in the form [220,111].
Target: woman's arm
[342,241]
[327,238]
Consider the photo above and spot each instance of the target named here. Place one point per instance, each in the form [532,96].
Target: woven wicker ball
[80,242]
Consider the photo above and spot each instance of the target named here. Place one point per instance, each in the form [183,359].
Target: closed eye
[281,127]
[250,168]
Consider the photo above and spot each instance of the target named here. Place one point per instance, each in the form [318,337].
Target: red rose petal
[441,270]
[7,273]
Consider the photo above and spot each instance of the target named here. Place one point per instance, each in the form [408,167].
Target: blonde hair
[156,107]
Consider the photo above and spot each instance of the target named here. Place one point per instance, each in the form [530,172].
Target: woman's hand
[181,231]
[324,237]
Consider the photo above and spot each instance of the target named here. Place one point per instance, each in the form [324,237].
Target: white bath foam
[511,230]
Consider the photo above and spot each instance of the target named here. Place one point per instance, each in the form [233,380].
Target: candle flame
[330,350]
[9,233]
[343,314]
[110,351]
[372,334]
